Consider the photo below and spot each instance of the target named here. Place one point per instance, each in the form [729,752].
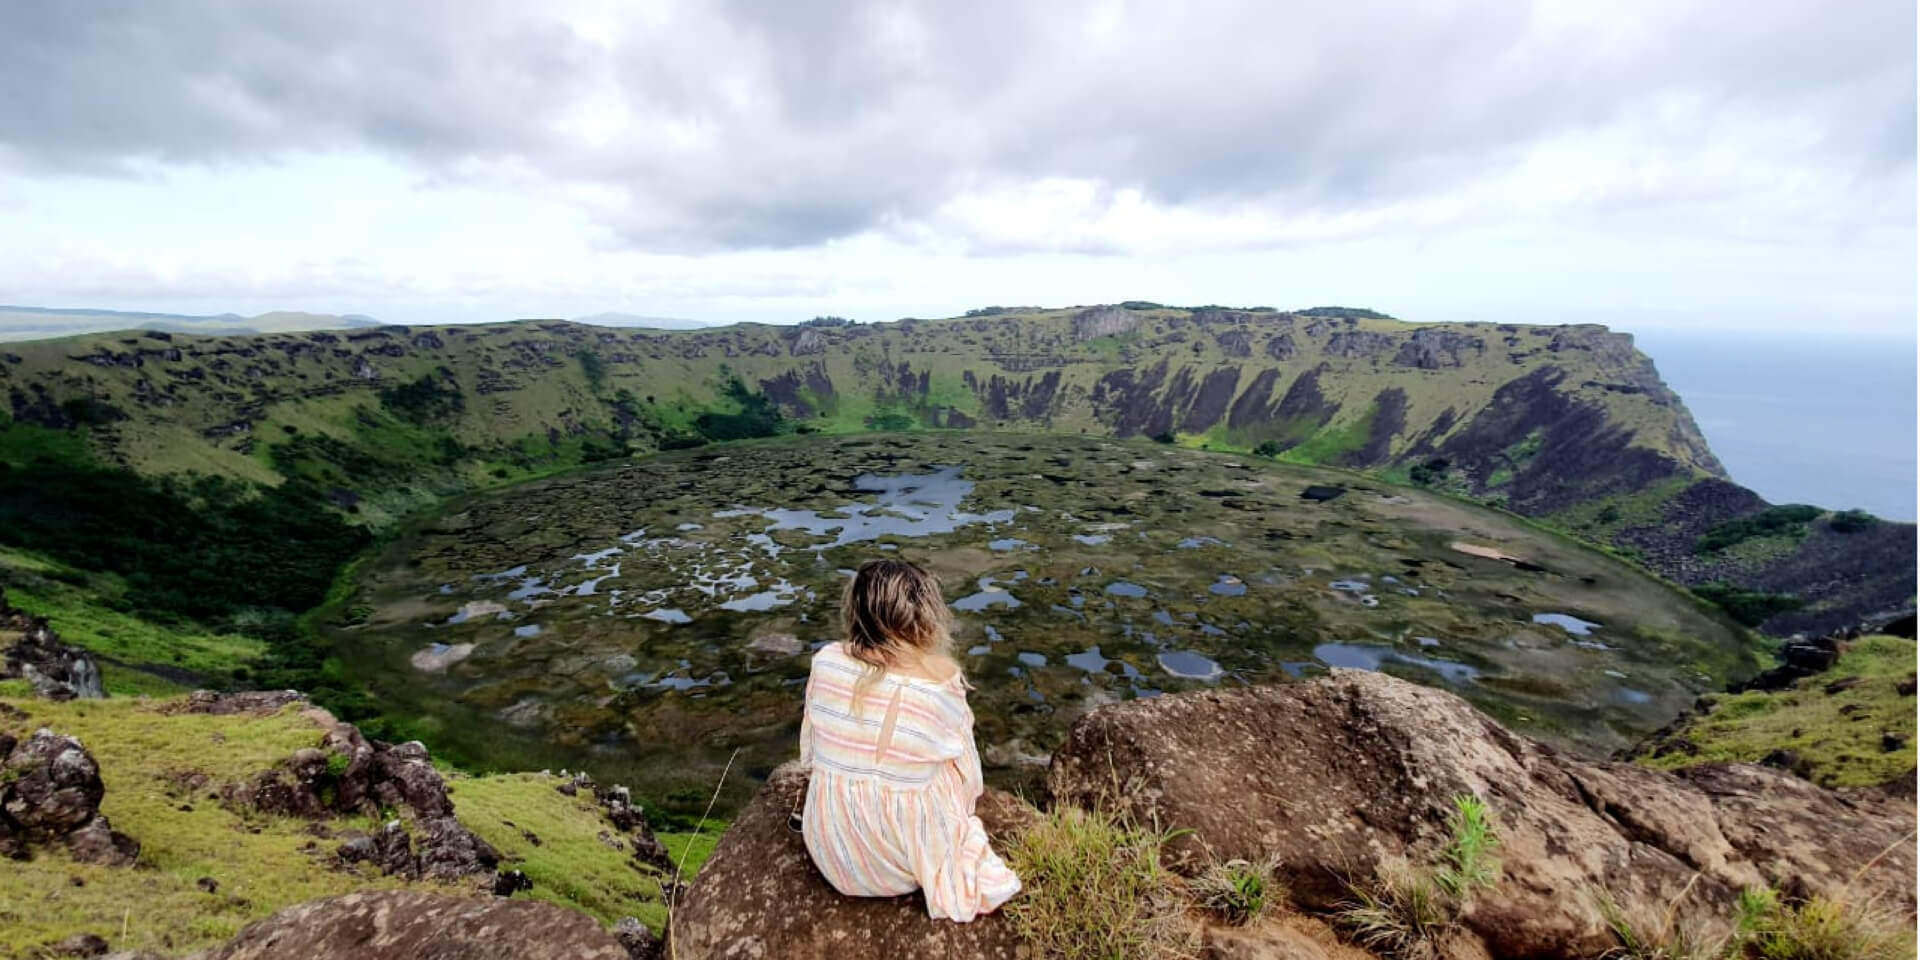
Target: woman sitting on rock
[889,739]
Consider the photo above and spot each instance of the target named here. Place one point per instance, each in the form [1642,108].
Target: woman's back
[895,776]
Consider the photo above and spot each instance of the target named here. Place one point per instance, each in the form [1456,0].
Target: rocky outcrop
[33,651]
[1338,776]
[760,896]
[1431,348]
[412,925]
[1104,321]
[626,817]
[350,775]
[50,791]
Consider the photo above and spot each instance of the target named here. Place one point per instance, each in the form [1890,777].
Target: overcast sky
[1747,163]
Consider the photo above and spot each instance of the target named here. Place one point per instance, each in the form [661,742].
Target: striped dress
[889,805]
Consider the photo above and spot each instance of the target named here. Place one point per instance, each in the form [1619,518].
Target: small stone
[506,883]
[208,884]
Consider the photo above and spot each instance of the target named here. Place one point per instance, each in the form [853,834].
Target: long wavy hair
[893,609]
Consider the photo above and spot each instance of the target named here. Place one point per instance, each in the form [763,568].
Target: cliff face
[1566,422]
[1372,392]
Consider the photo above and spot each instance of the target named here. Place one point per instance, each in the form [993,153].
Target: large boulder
[412,925]
[760,896]
[50,791]
[30,649]
[1337,776]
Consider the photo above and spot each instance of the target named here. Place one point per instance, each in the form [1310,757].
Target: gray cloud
[790,122]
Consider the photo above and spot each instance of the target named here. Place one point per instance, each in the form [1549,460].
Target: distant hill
[40,323]
[637,320]
[1569,424]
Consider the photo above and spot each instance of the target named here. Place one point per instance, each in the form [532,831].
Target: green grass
[571,866]
[1333,443]
[1838,735]
[261,860]
[24,443]
[157,905]
[1787,520]
[1406,908]
[1241,891]
[1095,889]
[78,604]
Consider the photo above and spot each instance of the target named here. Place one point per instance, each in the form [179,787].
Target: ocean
[1821,418]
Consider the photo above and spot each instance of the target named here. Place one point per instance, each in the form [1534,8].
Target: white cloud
[767,159]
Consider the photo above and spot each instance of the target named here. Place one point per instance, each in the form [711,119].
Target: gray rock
[414,925]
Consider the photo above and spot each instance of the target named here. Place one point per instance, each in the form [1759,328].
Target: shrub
[1430,472]
[423,401]
[1240,891]
[1096,890]
[1164,436]
[1852,521]
[758,417]
[1772,522]
[1749,607]
[1267,448]
[593,369]
[1407,908]
[91,411]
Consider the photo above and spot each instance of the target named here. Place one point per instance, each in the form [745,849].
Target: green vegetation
[1852,521]
[145,756]
[148,756]
[1095,889]
[756,417]
[423,401]
[1850,726]
[1113,347]
[593,369]
[1748,607]
[1241,891]
[1407,908]
[570,865]
[1334,443]
[1786,520]
[24,444]
[1764,926]
[139,656]
[91,411]
[188,547]
[1514,458]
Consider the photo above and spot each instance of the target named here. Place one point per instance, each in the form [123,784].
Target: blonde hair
[892,607]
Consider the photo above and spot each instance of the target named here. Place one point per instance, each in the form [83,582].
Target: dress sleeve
[928,726]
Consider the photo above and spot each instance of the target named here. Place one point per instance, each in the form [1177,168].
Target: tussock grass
[1408,908]
[1097,890]
[1765,927]
[1241,891]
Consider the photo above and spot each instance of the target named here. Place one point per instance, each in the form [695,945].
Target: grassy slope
[260,863]
[1838,734]
[80,605]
